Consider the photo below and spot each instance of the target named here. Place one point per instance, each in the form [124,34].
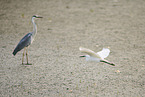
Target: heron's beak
[82,56]
[39,17]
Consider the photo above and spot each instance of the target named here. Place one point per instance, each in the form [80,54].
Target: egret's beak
[82,56]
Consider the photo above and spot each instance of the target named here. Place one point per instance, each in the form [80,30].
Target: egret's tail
[107,62]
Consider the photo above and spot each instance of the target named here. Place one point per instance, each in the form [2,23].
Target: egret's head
[36,16]
[85,56]
[89,58]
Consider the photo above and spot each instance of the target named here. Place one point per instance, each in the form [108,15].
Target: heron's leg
[23,55]
[27,55]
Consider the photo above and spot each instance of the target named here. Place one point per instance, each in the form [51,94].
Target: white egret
[97,57]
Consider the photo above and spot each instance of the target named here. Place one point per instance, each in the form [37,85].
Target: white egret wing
[104,53]
[89,52]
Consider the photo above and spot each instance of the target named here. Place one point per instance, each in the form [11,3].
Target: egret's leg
[27,55]
[105,61]
[23,55]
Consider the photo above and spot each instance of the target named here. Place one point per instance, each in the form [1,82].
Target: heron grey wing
[24,42]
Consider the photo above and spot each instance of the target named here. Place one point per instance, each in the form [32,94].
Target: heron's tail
[15,52]
[107,62]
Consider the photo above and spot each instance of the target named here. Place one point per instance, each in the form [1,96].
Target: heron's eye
[34,16]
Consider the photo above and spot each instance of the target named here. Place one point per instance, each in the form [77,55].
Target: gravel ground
[57,70]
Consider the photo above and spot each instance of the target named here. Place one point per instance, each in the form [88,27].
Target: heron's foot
[27,64]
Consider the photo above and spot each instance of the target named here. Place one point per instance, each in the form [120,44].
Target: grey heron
[27,40]
[97,57]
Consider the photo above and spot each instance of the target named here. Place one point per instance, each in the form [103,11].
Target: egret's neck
[34,28]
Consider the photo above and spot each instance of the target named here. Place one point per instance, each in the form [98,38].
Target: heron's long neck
[34,28]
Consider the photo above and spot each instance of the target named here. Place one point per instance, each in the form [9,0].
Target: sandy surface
[57,70]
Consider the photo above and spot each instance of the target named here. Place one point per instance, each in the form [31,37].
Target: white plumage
[97,57]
